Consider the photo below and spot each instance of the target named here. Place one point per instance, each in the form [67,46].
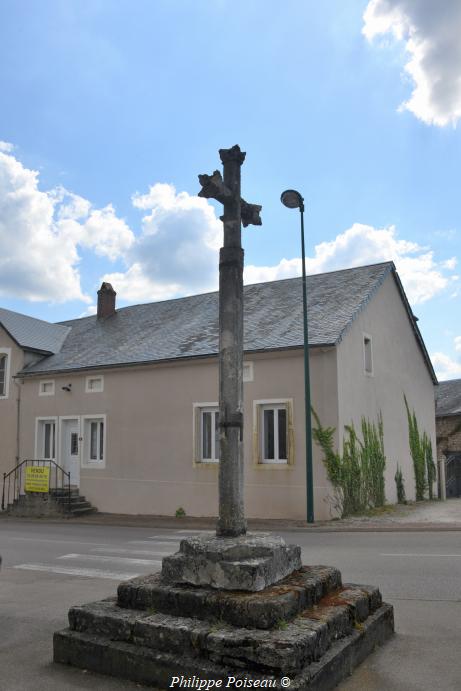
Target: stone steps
[262,610]
[304,639]
[138,651]
[78,504]
[187,623]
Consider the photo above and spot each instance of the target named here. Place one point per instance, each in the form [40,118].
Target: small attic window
[94,384]
[46,388]
[4,372]
[367,355]
[248,371]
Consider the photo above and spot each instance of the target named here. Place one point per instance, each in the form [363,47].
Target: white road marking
[164,538]
[119,560]
[419,555]
[141,552]
[54,540]
[152,543]
[68,571]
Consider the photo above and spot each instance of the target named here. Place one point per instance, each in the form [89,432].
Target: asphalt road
[47,567]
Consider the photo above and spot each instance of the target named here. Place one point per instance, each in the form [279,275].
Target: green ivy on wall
[422,456]
[357,475]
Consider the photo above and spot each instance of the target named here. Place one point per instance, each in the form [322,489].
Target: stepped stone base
[309,627]
[249,562]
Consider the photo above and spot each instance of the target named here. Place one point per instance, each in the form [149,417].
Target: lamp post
[293,200]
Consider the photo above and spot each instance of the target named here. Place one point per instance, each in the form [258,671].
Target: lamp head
[292,200]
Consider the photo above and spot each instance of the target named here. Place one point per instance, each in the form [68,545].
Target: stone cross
[231,521]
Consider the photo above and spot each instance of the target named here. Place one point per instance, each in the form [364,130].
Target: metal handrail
[16,476]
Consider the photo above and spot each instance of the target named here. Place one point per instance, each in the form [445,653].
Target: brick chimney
[106,301]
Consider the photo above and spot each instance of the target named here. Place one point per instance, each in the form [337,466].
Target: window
[45,441]
[94,441]
[4,371]
[46,388]
[273,432]
[206,432]
[2,374]
[209,437]
[74,444]
[94,384]
[248,371]
[367,355]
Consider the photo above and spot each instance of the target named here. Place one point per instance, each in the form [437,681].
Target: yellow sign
[37,479]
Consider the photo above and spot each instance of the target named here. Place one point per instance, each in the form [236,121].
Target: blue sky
[111,110]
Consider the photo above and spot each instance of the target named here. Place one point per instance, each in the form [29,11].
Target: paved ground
[50,566]
[427,515]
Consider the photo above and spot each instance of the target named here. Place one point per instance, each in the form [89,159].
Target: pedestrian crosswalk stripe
[140,552]
[165,542]
[120,560]
[69,571]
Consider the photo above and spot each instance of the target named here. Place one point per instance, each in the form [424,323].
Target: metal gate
[453,474]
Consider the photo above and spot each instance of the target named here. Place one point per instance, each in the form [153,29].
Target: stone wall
[36,505]
[448,434]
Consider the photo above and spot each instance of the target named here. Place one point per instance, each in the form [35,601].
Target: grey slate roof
[448,398]
[188,327]
[33,334]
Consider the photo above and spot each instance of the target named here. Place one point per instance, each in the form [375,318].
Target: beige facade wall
[8,406]
[398,369]
[149,455]
[149,461]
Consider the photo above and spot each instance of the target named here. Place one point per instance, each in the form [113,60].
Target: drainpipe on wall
[18,417]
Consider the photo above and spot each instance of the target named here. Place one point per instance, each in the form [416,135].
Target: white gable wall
[398,368]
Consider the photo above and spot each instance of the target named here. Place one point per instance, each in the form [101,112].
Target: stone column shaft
[231,500]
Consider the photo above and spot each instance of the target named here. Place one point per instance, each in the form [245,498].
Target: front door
[453,475]
[71,450]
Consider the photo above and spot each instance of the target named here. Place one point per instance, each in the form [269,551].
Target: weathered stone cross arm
[213,187]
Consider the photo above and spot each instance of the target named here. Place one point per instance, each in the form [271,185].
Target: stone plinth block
[249,562]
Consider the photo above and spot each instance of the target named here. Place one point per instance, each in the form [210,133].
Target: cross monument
[231,521]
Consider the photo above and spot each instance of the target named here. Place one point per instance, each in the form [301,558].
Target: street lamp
[293,200]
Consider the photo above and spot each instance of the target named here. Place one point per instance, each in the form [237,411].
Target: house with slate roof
[448,427]
[127,400]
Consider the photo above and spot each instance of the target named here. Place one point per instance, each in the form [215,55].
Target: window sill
[273,466]
[205,464]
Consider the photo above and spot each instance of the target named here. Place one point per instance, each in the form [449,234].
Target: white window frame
[40,423]
[198,410]
[258,433]
[85,430]
[248,371]
[41,387]
[367,342]
[97,377]
[7,353]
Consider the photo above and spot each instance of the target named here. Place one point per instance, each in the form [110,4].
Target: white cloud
[6,147]
[90,310]
[361,244]
[136,285]
[431,30]
[40,232]
[450,263]
[458,344]
[445,367]
[177,251]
